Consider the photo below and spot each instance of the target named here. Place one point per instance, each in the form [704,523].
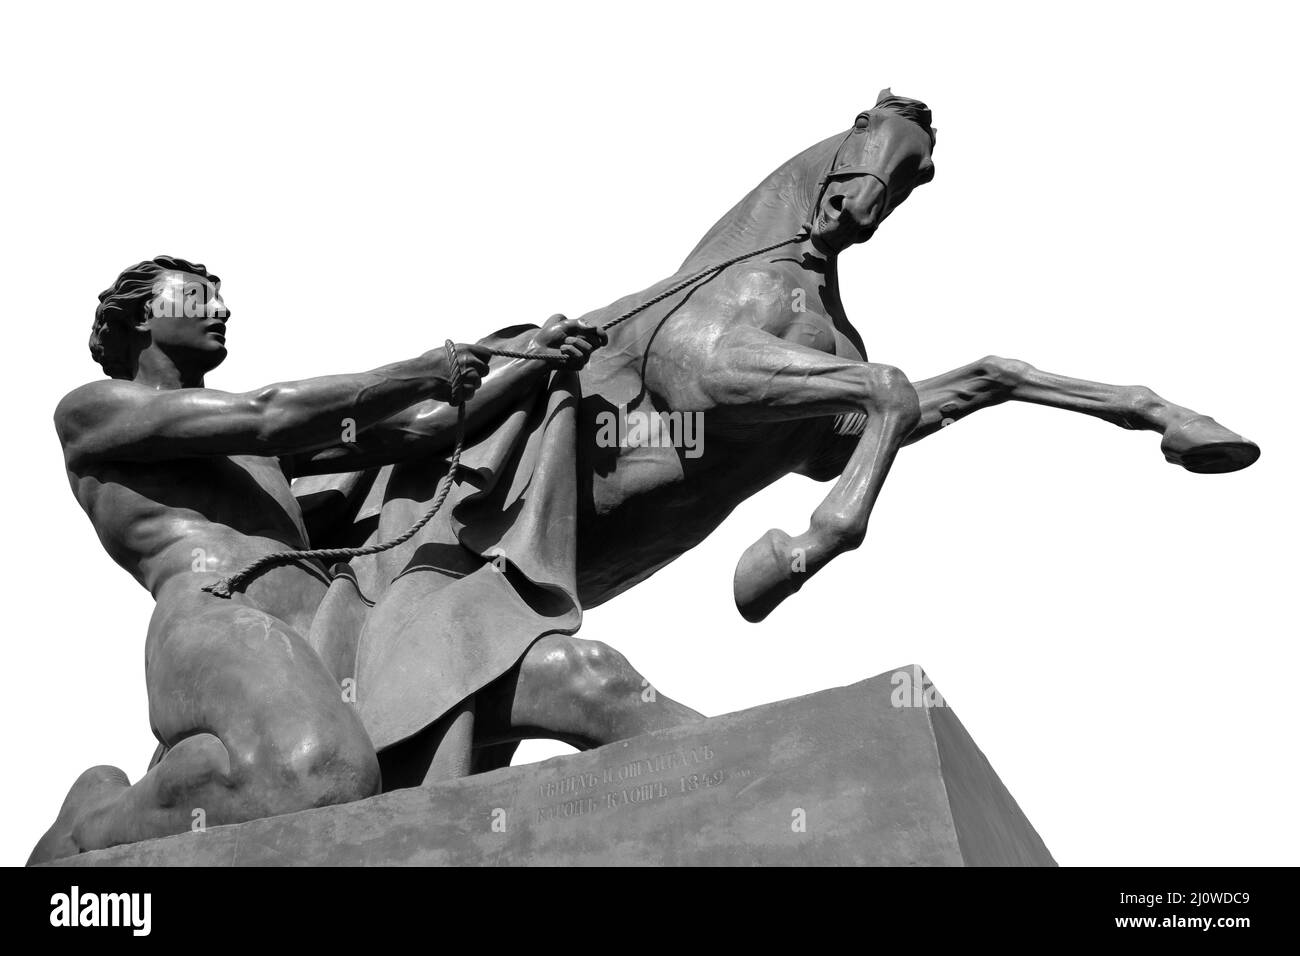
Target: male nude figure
[184,485]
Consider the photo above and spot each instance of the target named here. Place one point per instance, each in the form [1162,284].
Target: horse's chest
[786,308]
[811,330]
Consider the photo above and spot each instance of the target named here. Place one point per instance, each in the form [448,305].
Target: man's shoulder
[95,395]
[85,405]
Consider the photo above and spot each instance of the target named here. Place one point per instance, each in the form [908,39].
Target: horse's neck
[763,217]
[778,208]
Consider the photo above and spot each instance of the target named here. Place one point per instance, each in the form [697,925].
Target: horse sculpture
[741,350]
[764,353]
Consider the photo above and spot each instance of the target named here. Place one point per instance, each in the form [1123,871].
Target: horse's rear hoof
[1203,446]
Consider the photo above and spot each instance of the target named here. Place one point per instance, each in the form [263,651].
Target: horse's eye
[925,175]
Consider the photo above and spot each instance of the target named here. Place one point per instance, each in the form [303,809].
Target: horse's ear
[885,94]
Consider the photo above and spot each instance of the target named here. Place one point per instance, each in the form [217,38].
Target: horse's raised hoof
[766,574]
[1203,446]
[90,790]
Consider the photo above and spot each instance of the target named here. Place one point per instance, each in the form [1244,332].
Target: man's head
[166,303]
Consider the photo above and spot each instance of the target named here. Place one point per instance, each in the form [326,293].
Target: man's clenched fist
[473,362]
[574,338]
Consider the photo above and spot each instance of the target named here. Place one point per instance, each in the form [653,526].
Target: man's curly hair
[121,306]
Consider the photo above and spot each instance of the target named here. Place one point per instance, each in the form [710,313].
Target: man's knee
[334,768]
[590,671]
[309,763]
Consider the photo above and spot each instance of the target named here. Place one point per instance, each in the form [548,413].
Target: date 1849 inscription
[629,784]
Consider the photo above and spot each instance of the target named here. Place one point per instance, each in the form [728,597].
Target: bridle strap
[833,171]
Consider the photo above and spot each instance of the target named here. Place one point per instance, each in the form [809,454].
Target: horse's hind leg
[1197,442]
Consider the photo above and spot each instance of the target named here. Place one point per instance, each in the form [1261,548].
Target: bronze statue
[459,643]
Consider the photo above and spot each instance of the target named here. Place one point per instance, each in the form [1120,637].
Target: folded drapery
[459,604]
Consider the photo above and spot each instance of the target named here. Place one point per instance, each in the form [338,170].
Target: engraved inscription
[628,784]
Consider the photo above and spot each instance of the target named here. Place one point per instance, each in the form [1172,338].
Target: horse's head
[876,166]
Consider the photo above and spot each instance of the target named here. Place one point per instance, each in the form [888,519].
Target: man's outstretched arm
[125,421]
[429,428]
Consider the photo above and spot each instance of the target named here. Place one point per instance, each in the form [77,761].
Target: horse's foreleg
[1197,442]
[758,376]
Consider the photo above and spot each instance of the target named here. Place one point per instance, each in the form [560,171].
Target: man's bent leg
[582,692]
[254,724]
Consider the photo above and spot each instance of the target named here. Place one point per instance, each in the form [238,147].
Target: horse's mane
[787,192]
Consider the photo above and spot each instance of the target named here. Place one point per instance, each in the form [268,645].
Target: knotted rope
[227,586]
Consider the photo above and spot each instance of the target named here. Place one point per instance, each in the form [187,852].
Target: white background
[1115,199]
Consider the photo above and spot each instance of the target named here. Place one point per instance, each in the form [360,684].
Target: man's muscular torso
[176,525]
[186,485]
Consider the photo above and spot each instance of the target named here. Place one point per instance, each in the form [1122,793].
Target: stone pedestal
[869,774]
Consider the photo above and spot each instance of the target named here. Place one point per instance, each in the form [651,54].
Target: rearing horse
[764,350]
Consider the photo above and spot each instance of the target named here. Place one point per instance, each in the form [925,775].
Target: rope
[700,276]
[226,587]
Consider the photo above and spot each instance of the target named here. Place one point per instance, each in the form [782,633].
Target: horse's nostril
[837,204]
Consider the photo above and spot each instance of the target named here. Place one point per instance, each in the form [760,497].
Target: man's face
[187,318]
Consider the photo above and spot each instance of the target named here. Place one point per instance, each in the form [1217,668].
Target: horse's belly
[652,509]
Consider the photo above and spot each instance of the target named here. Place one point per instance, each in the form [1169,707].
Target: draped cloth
[422,627]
